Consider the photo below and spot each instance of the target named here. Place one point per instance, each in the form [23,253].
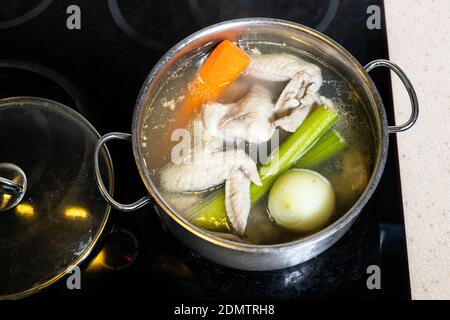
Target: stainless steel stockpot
[263,257]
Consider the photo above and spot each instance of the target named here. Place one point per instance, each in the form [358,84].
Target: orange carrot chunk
[223,66]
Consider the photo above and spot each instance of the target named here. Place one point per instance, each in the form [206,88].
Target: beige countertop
[419,41]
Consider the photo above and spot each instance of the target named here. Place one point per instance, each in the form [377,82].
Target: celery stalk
[210,213]
[327,146]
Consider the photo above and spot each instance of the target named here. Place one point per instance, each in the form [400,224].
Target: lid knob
[13,185]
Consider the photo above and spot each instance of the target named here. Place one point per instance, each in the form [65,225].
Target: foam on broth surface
[349,172]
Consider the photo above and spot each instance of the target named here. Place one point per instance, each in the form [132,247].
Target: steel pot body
[264,257]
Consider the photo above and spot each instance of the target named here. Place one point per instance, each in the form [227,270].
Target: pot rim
[348,217]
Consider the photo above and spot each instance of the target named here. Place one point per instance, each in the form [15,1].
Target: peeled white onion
[301,200]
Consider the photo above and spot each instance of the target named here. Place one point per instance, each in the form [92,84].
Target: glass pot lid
[51,212]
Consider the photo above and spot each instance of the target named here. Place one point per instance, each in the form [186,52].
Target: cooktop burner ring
[120,20]
[324,23]
[195,9]
[58,79]
[26,16]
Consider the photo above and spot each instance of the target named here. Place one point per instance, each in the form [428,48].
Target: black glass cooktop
[98,71]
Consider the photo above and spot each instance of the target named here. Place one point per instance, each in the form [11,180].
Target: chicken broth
[349,171]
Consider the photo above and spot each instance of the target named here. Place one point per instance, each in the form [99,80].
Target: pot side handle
[101,186]
[409,87]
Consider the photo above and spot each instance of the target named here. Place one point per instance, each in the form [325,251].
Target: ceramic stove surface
[98,71]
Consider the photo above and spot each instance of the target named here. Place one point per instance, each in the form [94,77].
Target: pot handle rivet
[101,186]
[409,87]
